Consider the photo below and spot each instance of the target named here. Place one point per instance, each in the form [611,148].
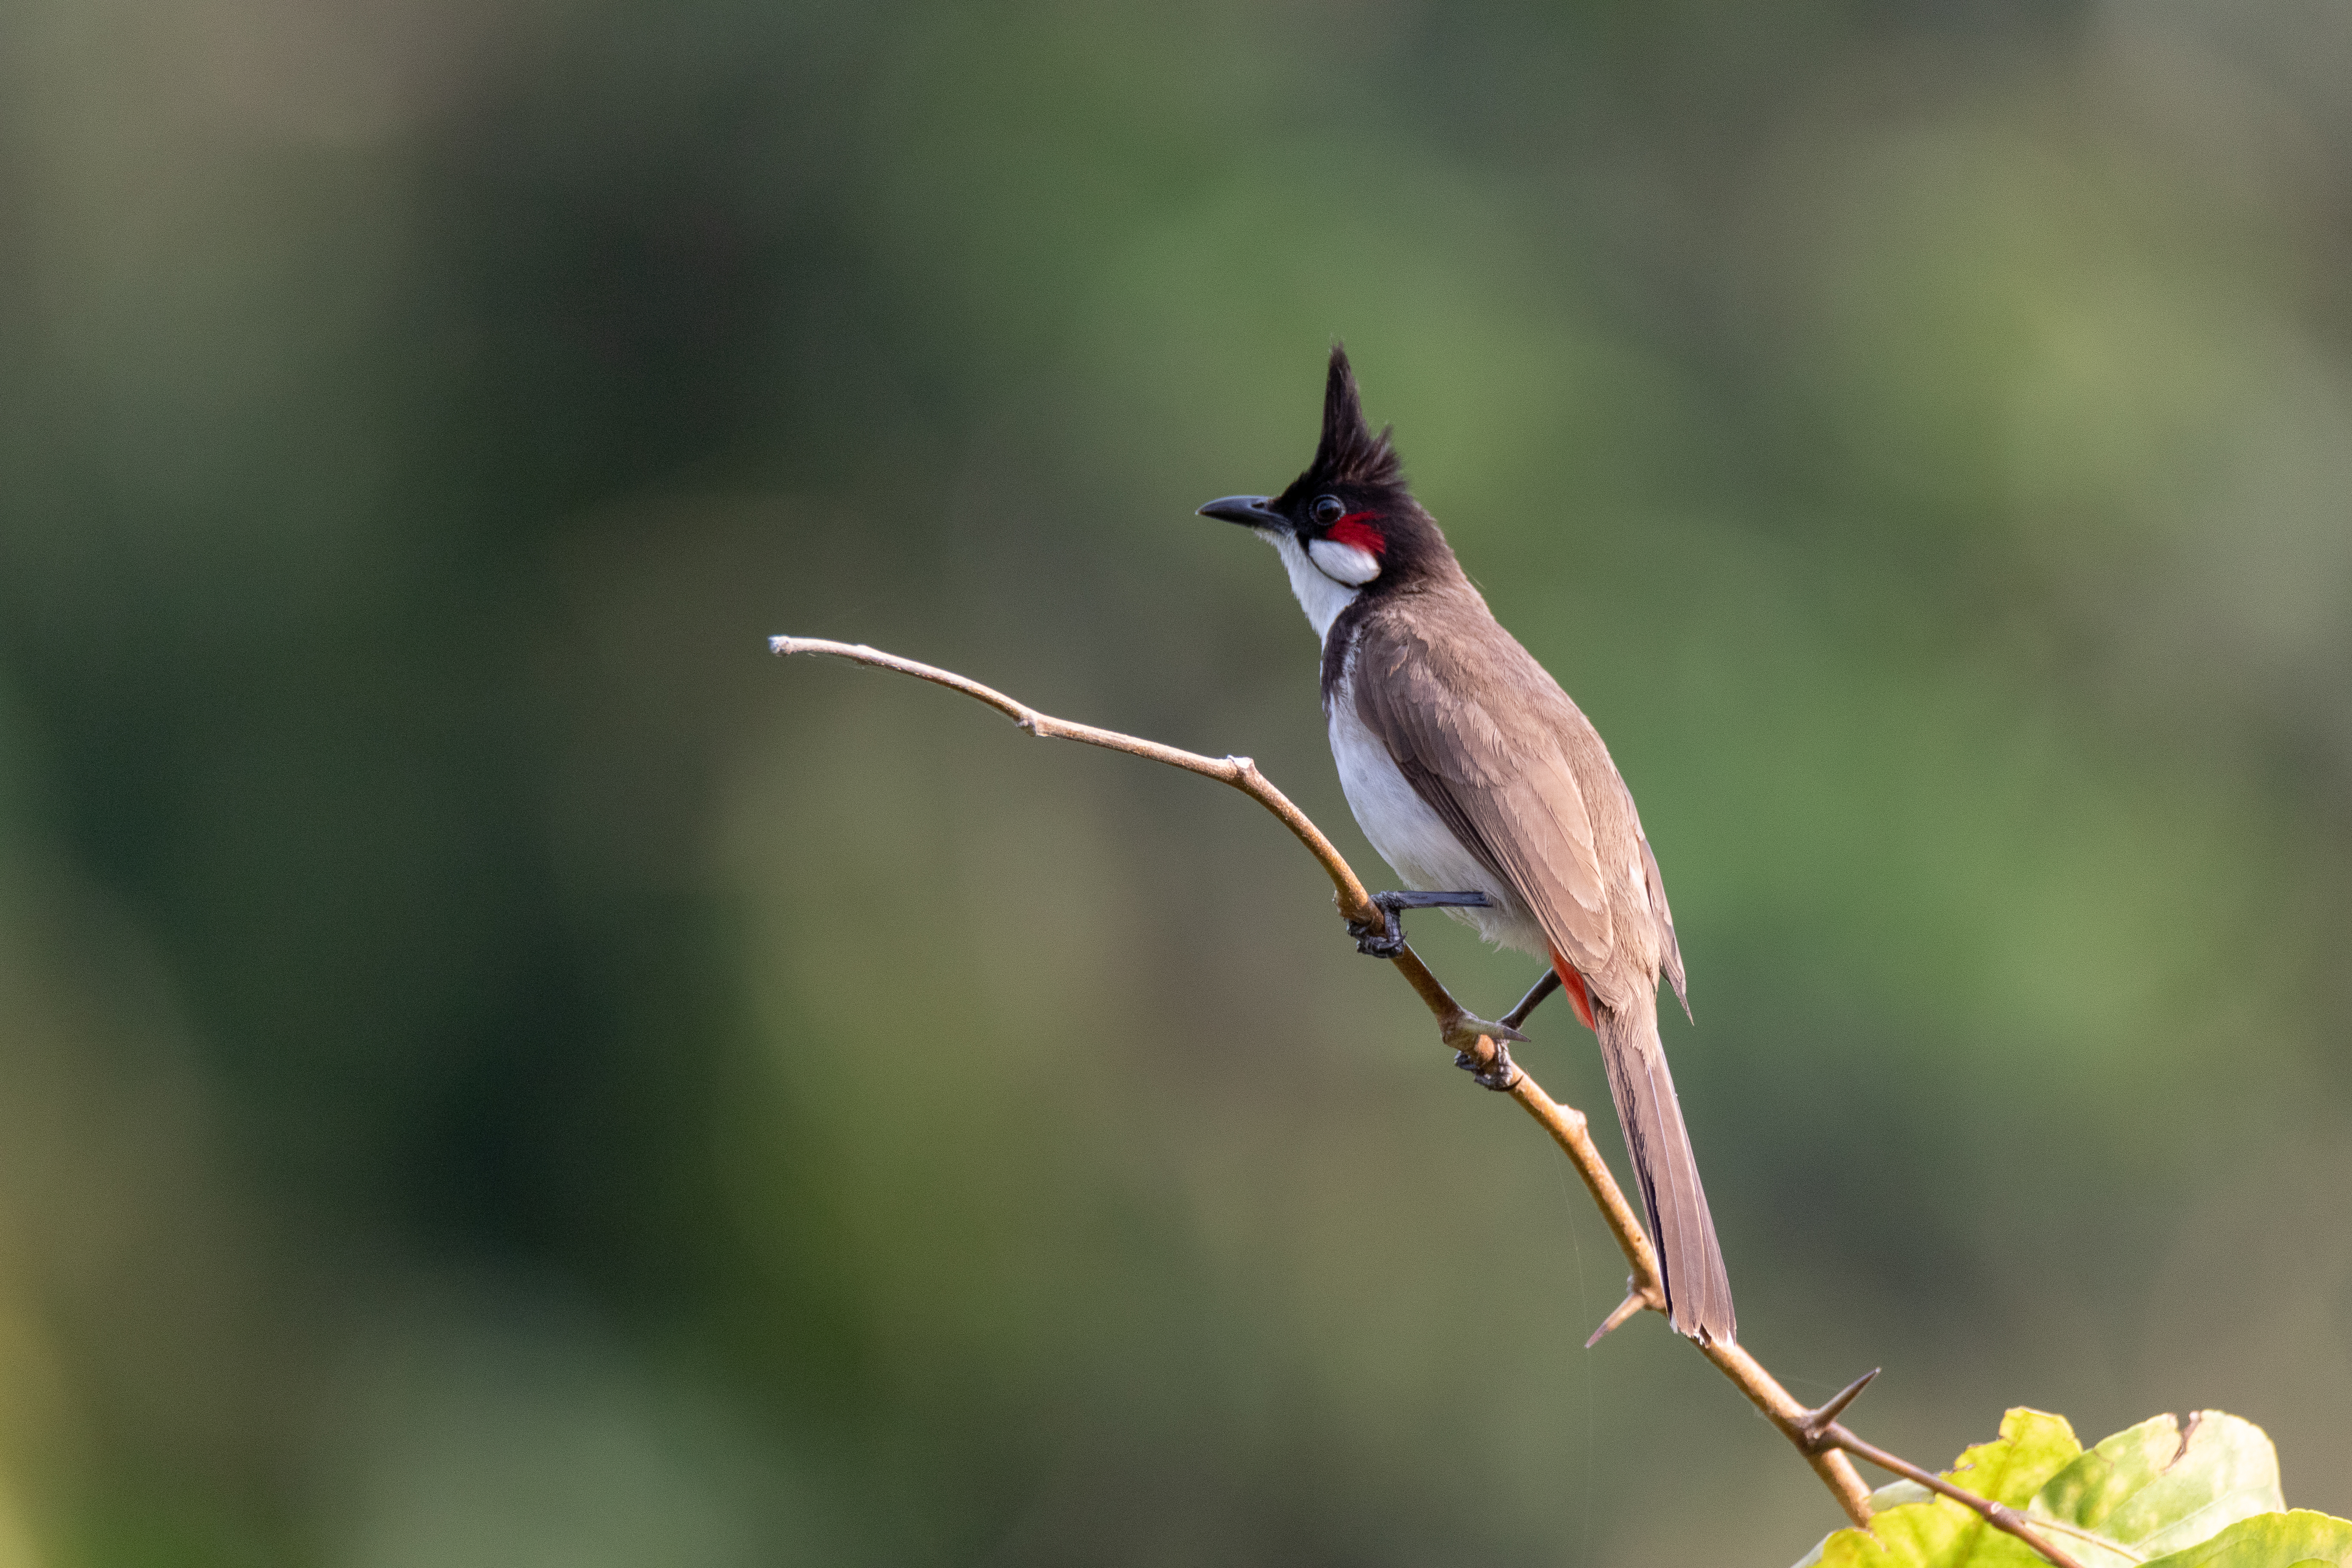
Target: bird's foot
[1384,938]
[1499,1074]
[1480,1050]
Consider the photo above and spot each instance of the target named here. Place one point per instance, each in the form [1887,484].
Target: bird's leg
[1533,999]
[1386,939]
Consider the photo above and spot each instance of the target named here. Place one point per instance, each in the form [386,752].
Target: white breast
[1410,835]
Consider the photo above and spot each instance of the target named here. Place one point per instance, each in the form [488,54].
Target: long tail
[1698,1292]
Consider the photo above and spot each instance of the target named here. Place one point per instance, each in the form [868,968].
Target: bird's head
[1349,516]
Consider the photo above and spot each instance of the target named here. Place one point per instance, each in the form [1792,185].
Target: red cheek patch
[1357,534]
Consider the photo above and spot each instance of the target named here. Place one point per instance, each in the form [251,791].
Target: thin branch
[1816,1432]
[2000,1516]
[1239,772]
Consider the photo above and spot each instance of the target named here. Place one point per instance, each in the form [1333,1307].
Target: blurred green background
[496,1069]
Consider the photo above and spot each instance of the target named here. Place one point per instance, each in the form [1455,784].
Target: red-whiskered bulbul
[1490,792]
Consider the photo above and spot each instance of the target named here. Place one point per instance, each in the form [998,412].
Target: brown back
[1511,766]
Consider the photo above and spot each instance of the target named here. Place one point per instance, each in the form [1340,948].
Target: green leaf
[2156,1488]
[2272,1540]
[2033,1446]
[2157,1494]
[1938,1533]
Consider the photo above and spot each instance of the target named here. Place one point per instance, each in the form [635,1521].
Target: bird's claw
[1377,939]
[1499,1075]
[1384,938]
[1465,1033]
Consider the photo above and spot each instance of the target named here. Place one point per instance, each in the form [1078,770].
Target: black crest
[1349,453]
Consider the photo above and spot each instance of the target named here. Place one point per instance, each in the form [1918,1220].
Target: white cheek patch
[1343,563]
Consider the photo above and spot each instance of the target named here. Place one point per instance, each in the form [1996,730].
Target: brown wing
[1493,766]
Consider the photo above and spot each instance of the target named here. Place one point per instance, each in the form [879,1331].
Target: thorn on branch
[1636,1300]
[1815,1423]
[1475,1037]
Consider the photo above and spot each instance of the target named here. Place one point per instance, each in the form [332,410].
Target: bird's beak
[1250,511]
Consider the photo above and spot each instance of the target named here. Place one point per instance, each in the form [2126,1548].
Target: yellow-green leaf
[2298,1540]
[2033,1446]
[2156,1488]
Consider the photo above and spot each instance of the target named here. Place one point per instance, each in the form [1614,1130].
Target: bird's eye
[1327,509]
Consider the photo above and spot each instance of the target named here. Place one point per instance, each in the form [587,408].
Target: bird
[1480,781]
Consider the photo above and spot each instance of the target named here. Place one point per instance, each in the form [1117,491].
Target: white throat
[1318,595]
